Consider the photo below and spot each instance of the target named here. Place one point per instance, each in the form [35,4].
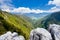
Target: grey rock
[40,34]
[11,36]
[21,37]
[55,31]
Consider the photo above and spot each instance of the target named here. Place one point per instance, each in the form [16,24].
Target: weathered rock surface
[55,31]
[11,36]
[40,34]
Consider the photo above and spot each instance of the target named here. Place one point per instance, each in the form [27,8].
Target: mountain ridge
[49,19]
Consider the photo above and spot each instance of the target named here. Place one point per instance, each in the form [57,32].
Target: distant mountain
[14,23]
[35,16]
[32,17]
[53,18]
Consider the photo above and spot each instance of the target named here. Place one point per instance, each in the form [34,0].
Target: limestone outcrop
[52,33]
[11,36]
[55,31]
[40,34]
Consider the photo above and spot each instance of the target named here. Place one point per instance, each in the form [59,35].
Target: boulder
[55,31]
[11,36]
[40,34]
[6,36]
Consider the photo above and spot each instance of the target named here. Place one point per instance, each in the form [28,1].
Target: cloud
[54,2]
[50,2]
[56,8]
[26,10]
[6,5]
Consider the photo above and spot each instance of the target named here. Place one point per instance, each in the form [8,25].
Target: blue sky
[30,6]
[35,4]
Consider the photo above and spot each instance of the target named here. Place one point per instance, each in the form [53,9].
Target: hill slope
[13,23]
[53,18]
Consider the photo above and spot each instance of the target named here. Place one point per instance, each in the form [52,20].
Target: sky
[30,6]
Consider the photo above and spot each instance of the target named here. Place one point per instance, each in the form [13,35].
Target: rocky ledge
[52,33]
[11,36]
